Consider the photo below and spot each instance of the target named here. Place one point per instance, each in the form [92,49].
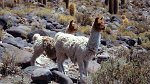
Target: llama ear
[102,18]
[96,20]
[71,22]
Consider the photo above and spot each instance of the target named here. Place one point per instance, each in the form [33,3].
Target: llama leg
[36,54]
[85,67]
[60,60]
[81,69]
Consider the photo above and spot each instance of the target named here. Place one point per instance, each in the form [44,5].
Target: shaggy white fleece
[37,39]
[38,47]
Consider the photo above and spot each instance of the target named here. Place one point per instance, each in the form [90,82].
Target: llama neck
[94,41]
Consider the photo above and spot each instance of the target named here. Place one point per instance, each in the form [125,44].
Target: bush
[84,19]
[65,19]
[146,45]
[85,29]
[43,12]
[8,66]
[131,70]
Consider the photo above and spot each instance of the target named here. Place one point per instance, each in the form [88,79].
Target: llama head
[73,27]
[35,36]
[99,24]
[48,42]
[48,45]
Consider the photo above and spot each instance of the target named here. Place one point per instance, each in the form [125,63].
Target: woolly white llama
[78,48]
[39,47]
[45,43]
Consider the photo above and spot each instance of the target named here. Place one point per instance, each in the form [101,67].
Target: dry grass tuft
[85,29]
[65,19]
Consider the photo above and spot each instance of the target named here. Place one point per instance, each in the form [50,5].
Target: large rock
[41,32]
[3,24]
[20,31]
[50,26]
[41,74]
[93,66]
[29,70]
[115,19]
[61,78]
[18,42]
[131,42]
[7,35]
[82,8]
[19,56]
[59,26]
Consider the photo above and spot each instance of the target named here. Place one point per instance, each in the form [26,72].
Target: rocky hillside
[125,44]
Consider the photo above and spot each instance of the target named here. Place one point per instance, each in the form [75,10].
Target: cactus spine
[72,9]
[116,6]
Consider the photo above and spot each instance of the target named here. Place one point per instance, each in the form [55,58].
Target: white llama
[78,48]
[45,43]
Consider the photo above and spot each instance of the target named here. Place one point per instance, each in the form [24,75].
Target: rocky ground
[20,23]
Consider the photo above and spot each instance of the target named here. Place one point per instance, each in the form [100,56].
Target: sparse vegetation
[146,45]
[131,70]
[43,12]
[8,65]
[84,19]
[131,21]
[65,19]
[85,29]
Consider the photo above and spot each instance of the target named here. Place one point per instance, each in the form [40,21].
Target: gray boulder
[61,78]
[20,31]
[18,42]
[41,74]
[19,56]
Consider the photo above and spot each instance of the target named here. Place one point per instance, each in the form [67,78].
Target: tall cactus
[45,2]
[116,6]
[111,6]
[67,3]
[72,9]
[106,2]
